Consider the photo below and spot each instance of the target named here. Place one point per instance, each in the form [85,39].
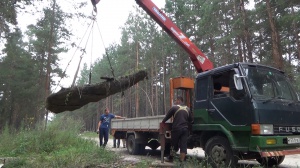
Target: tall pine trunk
[276,47]
[247,34]
[137,105]
[296,36]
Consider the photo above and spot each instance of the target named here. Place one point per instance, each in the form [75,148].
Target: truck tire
[153,144]
[219,153]
[271,161]
[133,147]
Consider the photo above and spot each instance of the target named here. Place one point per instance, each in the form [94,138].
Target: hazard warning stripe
[280,153]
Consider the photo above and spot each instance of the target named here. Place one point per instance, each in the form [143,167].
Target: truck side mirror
[238,81]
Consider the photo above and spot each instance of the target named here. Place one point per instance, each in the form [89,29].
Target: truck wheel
[153,144]
[219,153]
[132,146]
[271,161]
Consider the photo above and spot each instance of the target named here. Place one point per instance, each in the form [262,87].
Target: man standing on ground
[116,142]
[182,117]
[104,126]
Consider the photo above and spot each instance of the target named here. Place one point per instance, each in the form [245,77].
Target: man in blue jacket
[104,126]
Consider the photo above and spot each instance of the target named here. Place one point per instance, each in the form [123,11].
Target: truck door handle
[211,110]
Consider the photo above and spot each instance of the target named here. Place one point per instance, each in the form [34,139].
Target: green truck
[241,111]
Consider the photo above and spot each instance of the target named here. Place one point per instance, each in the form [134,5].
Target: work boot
[182,157]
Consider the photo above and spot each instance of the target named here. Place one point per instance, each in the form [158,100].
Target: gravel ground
[290,161]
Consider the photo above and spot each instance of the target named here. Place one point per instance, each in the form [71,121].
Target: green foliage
[8,15]
[56,146]
[18,80]
[89,134]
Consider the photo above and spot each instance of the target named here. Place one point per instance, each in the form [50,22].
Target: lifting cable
[82,50]
[111,68]
[94,3]
[107,56]
[92,31]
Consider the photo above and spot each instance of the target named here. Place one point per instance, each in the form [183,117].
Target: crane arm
[200,61]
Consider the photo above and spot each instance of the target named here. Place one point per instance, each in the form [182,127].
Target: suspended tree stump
[69,99]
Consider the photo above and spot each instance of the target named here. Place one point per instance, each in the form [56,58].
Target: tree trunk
[164,86]
[137,105]
[276,47]
[129,106]
[49,59]
[74,98]
[212,47]
[156,87]
[240,52]
[151,88]
[246,31]
[296,36]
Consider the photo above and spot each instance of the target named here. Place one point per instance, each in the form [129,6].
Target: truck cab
[250,111]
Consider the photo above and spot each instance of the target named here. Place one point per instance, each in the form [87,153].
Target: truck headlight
[262,129]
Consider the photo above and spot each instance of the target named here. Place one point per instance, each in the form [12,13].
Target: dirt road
[290,161]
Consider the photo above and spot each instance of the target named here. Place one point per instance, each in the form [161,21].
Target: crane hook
[94,2]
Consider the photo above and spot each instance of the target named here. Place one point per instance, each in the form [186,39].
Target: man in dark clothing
[182,117]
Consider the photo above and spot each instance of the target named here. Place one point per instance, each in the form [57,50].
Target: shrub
[59,145]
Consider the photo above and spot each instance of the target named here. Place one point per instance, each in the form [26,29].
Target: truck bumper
[280,153]
[269,146]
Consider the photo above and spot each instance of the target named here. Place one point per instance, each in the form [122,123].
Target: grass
[89,134]
[61,146]
[57,146]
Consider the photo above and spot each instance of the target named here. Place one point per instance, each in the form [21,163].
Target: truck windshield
[265,83]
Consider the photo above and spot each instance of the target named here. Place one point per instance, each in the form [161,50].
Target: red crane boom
[200,61]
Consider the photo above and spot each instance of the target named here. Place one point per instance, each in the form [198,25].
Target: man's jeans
[103,134]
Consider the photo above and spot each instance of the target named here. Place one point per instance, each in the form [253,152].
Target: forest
[226,31]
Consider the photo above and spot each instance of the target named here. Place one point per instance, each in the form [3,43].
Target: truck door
[226,103]
[201,100]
